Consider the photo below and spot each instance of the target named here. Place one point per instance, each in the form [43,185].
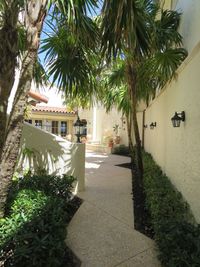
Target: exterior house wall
[100,124]
[40,149]
[177,150]
[47,119]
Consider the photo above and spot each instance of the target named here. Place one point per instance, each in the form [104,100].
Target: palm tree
[63,12]
[149,47]
[115,94]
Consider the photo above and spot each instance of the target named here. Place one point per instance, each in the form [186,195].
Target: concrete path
[101,233]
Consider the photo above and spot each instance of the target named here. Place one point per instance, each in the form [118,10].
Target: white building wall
[101,123]
[57,156]
[177,150]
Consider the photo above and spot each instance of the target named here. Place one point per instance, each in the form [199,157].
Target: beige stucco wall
[52,153]
[104,123]
[177,150]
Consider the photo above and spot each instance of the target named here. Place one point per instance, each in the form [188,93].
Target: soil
[142,220]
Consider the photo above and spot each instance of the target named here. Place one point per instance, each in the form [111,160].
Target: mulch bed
[141,215]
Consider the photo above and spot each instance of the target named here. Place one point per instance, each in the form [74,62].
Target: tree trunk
[34,17]
[8,61]
[129,130]
[131,75]
[137,165]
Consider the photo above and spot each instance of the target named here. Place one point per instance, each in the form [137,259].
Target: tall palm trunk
[129,130]
[34,17]
[138,189]
[131,77]
[8,55]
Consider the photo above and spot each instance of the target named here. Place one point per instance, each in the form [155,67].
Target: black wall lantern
[79,127]
[152,125]
[177,118]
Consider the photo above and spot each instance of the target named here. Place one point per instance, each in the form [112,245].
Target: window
[63,128]
[54,127]
[38,123]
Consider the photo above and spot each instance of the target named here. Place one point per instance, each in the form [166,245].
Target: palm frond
[68,62]
[167,34]
[124,26]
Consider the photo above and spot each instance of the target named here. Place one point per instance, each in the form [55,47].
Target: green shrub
[176,234]
[121,150]
[34,231]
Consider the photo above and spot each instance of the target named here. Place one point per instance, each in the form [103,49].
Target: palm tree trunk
[131,75]
[35,14]
[8,55]
[137,171]
[129,130]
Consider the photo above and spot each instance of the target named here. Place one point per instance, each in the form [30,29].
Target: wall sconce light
[152,125]
[177,118]
[145,126]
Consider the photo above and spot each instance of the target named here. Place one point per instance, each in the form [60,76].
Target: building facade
[177,150]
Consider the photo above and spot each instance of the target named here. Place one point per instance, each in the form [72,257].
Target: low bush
[34,230]
[121,150]
[176,234]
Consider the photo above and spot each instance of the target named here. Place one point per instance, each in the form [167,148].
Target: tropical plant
[148,42]
[148,46]
[62,13]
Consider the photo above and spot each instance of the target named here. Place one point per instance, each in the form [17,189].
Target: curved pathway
[101,233]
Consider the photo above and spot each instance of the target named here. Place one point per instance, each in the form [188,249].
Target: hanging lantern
[79,129]
[177,118]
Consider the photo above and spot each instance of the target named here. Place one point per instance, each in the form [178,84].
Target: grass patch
[176,233]
[34,228]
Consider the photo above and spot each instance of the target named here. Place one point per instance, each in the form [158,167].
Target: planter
[117,139]
[110,143]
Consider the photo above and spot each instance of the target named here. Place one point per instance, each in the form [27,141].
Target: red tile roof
[37,96]
[52,109]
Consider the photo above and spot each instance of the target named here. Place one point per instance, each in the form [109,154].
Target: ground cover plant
[175,231]
[121,150]
[34,228]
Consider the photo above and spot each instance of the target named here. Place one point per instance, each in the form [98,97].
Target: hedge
[176,233]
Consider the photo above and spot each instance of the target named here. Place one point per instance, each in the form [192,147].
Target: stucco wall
[103,124]
[40,149]
[177,150]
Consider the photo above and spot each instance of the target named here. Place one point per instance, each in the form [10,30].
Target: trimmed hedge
[121,150]
[176,234]
[34,230]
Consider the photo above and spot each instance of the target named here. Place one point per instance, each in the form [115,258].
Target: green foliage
[177,236]
[34,230]
[121,150]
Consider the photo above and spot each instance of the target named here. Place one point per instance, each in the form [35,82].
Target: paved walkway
[101,233]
